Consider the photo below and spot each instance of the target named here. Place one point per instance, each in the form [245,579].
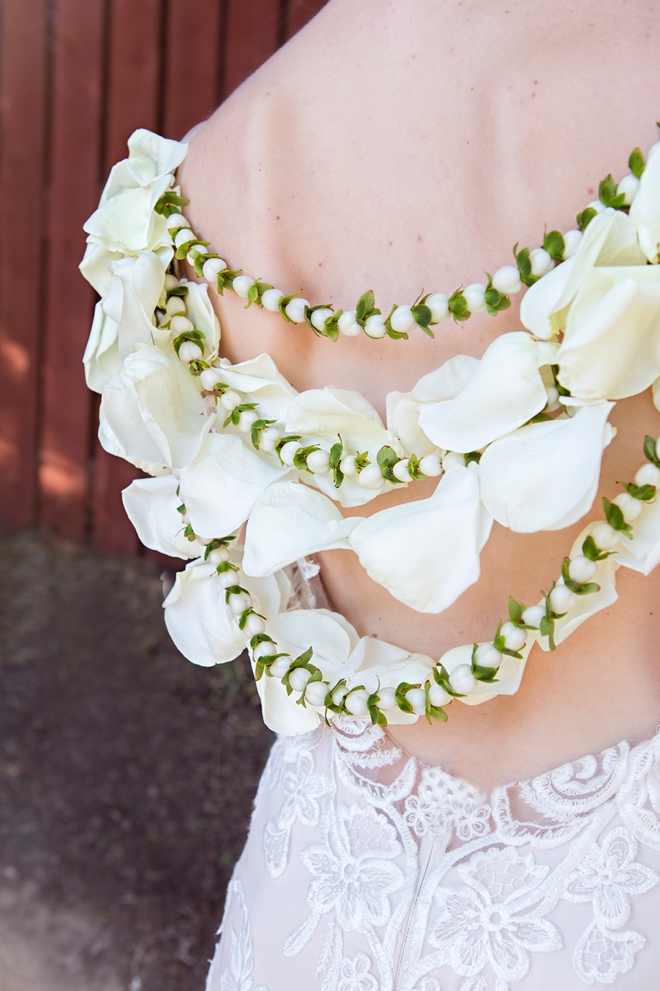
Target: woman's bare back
[407,145]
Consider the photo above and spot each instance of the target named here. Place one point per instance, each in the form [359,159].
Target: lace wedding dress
[365,870]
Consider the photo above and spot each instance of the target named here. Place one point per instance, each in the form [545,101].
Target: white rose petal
[260,379]
[376,664]
[426,553]
[202,316]
[642,551]
[645,211]
[151,506]
[509,674]
[545,476]
[290,521]
[541,299]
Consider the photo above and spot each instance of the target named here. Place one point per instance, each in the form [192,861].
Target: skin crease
[407,145]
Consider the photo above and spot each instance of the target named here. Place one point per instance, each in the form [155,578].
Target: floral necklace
[516,437]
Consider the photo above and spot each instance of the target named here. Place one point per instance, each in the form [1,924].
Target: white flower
[153,409]
[151,506]
[332,639]
[355,974]
[603,954]
[504,392]
[607,876]
[259,379]
[290,521]
[201,623]
[446,803]
[480,923]
[222,482]
[124,317]
[641,552]
[645,211]
[426,553]
[403,408]
[352,870]
[320,414]
[545,476]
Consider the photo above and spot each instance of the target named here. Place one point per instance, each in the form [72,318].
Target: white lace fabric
[365,870]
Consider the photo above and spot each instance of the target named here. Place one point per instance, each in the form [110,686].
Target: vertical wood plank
[23,63]
[253,34]
[300,12]
[132,100]
[73,193]
[192,64]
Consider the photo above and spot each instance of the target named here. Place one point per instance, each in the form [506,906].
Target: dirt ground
[126,778]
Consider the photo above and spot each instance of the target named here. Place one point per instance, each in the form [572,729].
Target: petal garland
[645,210]
[260,379]
[509,674]
[426,553]
[642,551]
[545,476]
[151,506]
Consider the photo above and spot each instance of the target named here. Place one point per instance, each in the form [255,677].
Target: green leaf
[282,441]
[387,458]
[234,590]
[560,388]
[365,306]
[592,552]
[284,302]
[255,431]
[547,629]
[400,695]
[184,248]
[422,314]
[607,193]
[585,217]
[554,244]
[495,300]
[458,306]
[473,456]
[396,335]
[167,203]
[636,162]
[643,492]
[524,263]
[179,291]
[413,469]
[516,609]
[650,451]
[300,459]
[615,517]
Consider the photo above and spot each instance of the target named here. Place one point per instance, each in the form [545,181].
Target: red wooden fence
[76,78]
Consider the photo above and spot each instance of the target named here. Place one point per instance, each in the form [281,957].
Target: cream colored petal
[259,378]
[642,552]
[426,553]
[101,358]
[198,619]
[96,265]
[135,288]
[222,482]
[109,443]
[545,476]
[541,300]
[505,391]
[333,411]
[509,675]
[289,521]
[151,506]
[201,313]
[151,156]
[645,210]
[376,664]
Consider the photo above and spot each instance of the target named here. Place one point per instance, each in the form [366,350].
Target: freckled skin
[313,175]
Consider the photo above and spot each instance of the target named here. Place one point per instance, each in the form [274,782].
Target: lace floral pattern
[398,877]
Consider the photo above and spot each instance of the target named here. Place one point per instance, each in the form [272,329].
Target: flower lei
[516,437]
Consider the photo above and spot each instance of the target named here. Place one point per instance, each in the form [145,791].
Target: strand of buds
[428,309]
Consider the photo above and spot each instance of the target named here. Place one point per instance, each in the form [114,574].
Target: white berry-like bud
[348,325]
[475,297]
[417,699]
[356,702]
[239,602]
[227,578]
[438,304]
[462,680]
[582,569]
[374,326]
[264,649]
[402,320]
[210,378]
[218,555]
[347,465]
[339,695]
[269,439]
[628,186]
[438,696]
[316,692]
[507,280]
[171,282]
[320,316]
[400,470]
[189,351]
[453,458]
[175,220]
[514,637]
[183,237]
[230,400]
[271,299]
[253,625]
[371,477]
[648,474]
[386,699]
[298,679]
[212,267]
[180,325]
[541,261]
[242,285]
[288,452]
[431,465]
[318,462]
[562,599]
[533,616]
[487,656]
[553,398]
[280,667]
[247,418]
[596,205]
[629,506]
[571,243]
[175,305]
[295,310]
[605,537]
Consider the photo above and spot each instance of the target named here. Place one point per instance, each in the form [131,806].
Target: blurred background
[126,774]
